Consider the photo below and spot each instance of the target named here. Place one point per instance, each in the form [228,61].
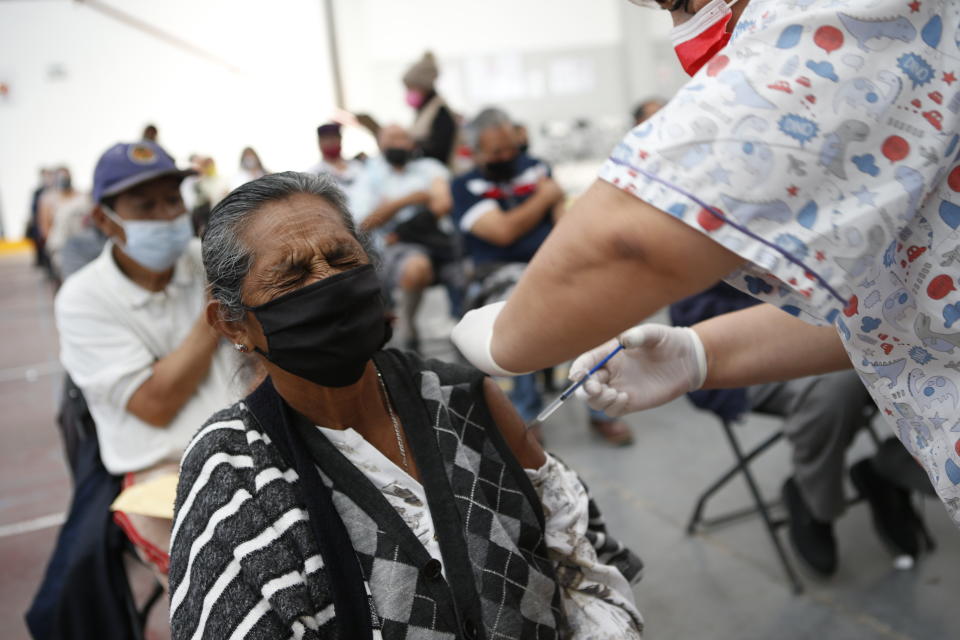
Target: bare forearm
[175,378]
[385,212]
[611,262]
[764,344]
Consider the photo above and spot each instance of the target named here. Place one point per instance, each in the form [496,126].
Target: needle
[553,406]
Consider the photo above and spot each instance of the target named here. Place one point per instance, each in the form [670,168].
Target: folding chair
[741,466]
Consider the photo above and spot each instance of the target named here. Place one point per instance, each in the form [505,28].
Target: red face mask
[331,152]
[701,37]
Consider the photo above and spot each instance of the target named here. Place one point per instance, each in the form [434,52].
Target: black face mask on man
[327,331]
[502,171]
[396,156]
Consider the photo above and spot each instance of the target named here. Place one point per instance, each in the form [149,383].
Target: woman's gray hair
[227,259]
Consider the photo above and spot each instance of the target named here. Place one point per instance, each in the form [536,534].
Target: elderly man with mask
[133,336]
[505,209]
[812,162]
[399,199]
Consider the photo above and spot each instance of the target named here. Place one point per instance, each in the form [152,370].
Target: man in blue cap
[132,331]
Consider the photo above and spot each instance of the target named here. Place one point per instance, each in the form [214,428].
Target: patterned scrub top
[821,145]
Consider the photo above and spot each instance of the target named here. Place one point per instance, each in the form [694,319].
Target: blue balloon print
[932,32]
[921,355]
[799,128]
[916,68]
[757,286]
[807,216]
[867,164]
[868,324]
[791,309]
[842,326]
[952,146]
[823,69]
[792,245]
[951,313]
[953,471]
[833,315]
[890,255]
[677,210]
[950,214]
[790,37]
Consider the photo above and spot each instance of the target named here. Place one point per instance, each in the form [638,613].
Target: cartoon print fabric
[822,146]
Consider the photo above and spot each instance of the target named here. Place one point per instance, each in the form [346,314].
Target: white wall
[540,59]
[116,79]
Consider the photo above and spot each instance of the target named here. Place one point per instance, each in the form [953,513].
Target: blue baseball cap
[125,165]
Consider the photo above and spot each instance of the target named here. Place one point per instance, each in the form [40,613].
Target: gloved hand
[657,364]
[472,337]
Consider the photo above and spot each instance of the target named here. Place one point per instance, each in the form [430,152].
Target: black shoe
[812,539]
[893,515]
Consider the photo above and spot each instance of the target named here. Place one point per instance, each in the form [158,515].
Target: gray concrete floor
[723,585]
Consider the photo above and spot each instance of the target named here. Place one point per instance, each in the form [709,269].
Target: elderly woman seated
[363,493]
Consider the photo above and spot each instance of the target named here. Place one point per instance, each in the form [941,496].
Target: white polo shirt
[112,331]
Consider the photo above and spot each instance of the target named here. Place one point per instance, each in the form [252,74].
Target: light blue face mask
[154,244]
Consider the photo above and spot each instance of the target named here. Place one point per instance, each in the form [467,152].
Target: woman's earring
[242,348]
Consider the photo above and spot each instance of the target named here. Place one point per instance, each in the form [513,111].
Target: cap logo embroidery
[142,154]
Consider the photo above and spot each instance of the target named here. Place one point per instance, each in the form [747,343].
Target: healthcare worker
[811,161]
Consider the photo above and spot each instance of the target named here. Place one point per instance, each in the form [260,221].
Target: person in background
[434,128]
[505,209]
[332,162]
[400,200]
[251,168]
[60,192]
[133,336]
[150,133]
[821,415]
[33,225]
[202,190]
[71,217]
[645,110]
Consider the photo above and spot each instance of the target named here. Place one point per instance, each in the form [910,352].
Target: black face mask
[397,157]
[327,331]
[523,148]
[502,171]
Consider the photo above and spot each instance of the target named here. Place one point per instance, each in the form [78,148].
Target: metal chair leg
[762,508]
[696,517]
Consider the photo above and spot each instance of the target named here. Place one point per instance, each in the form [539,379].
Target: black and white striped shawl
[246,562]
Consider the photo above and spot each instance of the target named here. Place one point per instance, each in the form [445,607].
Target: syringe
[553,406]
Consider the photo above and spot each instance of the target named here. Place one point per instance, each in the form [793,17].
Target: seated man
[821,416]
[133,335]
[505,209]
[400,200]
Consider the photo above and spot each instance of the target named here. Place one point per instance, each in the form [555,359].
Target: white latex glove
[658,363]
[472,337]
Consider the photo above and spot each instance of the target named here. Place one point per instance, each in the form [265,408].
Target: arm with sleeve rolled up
[175,377]
[386,210]
[612,261]
[503,228]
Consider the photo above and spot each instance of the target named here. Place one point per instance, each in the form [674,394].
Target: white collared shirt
[112,331]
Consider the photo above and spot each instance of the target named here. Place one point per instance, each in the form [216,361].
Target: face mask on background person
[327,331]
[502,170]
[396,156]
[331,151]
[154,244]
[701,37]
[414,98]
